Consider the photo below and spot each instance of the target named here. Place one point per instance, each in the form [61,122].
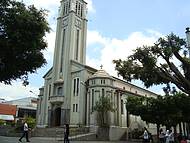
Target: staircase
[58,131]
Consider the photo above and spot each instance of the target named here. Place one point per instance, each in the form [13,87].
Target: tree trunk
[180,129]
[188,129]
[158,127]
[175,133]
[184,129]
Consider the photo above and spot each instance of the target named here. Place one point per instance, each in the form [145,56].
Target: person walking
[171,136]
[25,132]
[145,136]
[66,133]
[161,136]
[167,136]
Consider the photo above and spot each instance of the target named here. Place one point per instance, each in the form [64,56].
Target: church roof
[101,73]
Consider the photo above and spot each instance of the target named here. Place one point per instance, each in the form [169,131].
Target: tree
[21,40]
[150,110]
[163,63]
[103,106]
[169,110]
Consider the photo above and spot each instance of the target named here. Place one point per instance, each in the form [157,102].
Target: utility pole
[188,39]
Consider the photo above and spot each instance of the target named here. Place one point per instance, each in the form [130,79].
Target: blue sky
[115,28]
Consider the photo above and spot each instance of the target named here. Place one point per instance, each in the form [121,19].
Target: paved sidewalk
[50,140]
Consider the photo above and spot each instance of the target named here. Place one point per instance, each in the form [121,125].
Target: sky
[115,29]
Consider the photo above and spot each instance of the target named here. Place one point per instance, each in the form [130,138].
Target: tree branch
[173,79]
[176,71]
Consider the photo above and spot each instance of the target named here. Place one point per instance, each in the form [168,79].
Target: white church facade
[71,88]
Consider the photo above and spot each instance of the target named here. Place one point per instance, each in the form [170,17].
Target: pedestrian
[167,136]
[66,133]
[25,132]
[161,136]
[171,136]
[145,136]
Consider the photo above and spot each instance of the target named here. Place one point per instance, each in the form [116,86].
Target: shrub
[2,122]
[136,134]
[31,122]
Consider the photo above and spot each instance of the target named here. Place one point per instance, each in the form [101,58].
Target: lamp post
[188,39]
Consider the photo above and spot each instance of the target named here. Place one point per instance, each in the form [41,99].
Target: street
[4,139]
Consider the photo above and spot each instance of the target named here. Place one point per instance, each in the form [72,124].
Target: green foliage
[2,122]
[156,64]
[102,106]
[164,110]
[31,122]
[21,40]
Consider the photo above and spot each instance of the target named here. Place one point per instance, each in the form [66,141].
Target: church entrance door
[57,117]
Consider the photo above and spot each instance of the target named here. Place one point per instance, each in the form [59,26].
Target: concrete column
[65,116]
[50,119]
[119,109]
[116,112]
[62,122]
[88,110]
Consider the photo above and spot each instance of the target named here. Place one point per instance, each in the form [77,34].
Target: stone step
[53,132]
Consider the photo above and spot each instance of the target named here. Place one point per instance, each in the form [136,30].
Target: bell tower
[70,45]
[70,35]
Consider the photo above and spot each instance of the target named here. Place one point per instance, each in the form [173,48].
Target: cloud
[94,37]
[114,48]
[47,4]
[110,48]
[50,38]
[52,4]
[17,90]
[90,6]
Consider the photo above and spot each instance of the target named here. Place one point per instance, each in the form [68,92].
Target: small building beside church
[25,107]
[71,88]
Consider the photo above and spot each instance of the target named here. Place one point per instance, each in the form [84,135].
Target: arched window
[103,92]
[59,91]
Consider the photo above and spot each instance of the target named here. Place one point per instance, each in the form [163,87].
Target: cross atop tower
[101,66]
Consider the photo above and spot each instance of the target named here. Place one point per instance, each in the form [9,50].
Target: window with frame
[59,91]
[77,45]
[62,52]
[49,94]
[76,86]
[93,81]
[121,106]
[73,107]
[92,100]
[103,92]
[76,108]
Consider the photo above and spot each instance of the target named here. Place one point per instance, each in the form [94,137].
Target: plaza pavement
[4,139]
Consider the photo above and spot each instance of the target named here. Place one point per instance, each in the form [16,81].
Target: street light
[188,39]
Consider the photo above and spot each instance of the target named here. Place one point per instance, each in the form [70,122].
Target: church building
[71,88]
